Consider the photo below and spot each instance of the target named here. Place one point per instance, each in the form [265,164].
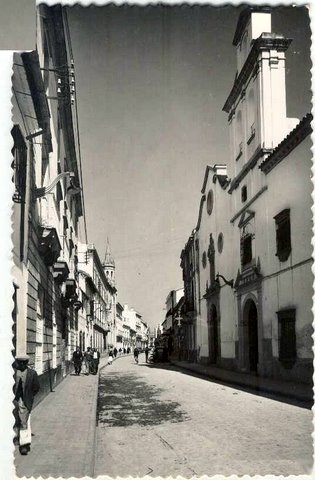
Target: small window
[246,249]
[283,235]
[204,259]
[244,193]
[287,337]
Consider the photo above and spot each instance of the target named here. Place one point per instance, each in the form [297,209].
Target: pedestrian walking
[136,355]
[96,360]
[85,366]
[146,351]
[110,357]
[89,359]
[124,351]
[128,350]
[120,351]
[25,388]
[77,358]
[115,352]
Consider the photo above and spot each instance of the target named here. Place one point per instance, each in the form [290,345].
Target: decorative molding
[267,41]
[202,201]
[246,216]
[243,19]
[259,152]
[252,200]
[291,141]
[248,277]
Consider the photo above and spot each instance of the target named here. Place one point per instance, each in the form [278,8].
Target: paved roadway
[160,421]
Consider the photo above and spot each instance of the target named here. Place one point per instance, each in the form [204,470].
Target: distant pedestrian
[25,388]
[146,351]
[77,358]
[110,357]
[136,355]
[115,352]
[128,350]
[120,351]
[124,351]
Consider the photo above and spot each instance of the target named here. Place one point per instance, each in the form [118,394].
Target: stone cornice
[267,41]
[248,204]
[205,180]
[243,19]
[202,201]
[259,152]
[292,140]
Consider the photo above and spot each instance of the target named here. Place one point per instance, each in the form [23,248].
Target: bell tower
[109,265]
[256,105]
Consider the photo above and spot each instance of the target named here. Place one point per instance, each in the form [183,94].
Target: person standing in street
[136,355]
[110,357]
[25,388]
[77,358]
[96,360]
[115,352]
[146,351]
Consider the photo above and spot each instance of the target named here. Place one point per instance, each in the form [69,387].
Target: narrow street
[159,422]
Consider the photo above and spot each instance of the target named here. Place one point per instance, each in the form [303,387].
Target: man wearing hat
[25,388]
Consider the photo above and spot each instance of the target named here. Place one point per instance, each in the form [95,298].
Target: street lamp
[72,189]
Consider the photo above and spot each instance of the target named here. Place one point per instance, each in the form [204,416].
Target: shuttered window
[287,337]
[283,235]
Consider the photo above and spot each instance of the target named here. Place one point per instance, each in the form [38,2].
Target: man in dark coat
[77,359]
[25,388]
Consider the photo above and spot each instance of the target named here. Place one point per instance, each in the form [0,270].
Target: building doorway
[213,333]
[251,321]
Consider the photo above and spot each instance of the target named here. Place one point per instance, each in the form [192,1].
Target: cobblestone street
[160,421]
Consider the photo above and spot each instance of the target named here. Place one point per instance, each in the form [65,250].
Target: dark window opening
[246,249]
[19,152]
[287,337]
[244,193]
[283,235]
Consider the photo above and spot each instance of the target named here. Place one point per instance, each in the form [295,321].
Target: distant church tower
[109,264]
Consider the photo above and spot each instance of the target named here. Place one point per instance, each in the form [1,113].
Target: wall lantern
[230,283]
[42,191]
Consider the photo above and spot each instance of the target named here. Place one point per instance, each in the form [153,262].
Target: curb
[247,385]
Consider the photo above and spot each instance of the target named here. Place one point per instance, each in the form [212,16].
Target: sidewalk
[290,390]
[63,425]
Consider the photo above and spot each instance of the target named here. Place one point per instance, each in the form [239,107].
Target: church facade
[247,264]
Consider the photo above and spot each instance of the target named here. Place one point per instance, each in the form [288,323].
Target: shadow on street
[255,391]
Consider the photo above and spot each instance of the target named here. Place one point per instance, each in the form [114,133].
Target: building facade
[48,202]
[98,299]
[247,265]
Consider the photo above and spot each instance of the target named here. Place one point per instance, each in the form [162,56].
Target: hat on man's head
[24,358]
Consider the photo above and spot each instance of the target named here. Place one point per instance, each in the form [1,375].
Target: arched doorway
[251,339]
[213,333]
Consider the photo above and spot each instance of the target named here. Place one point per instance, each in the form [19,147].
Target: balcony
[60,271]
[49,246]
[71,288]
